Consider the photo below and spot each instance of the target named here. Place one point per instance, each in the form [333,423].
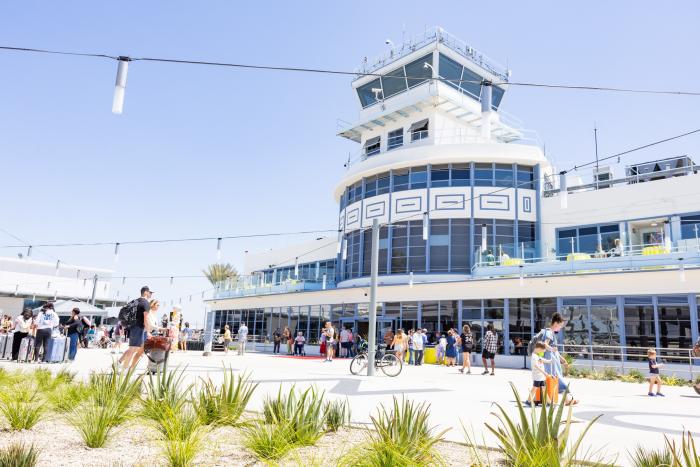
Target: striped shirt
[491,342]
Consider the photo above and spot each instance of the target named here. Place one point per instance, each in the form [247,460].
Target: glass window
[400,179]
[459,249]
[526,177]
[409,315]
[395,139]
[399,245]
[471,83]
[674,323]
[608,235]
[416,247]
[419,130]
[439,245]
[519,324]
[417,72]
[429,319]
[450,71]
[448,315]
[392,309]
[367,97]
[383,251]
[483,174]
[439,176]
[690,227]
[352,263]
[460,175]
[639,324]
[394,82]
[588,239]
[505,240]
[419,177]
[504,175]
[496,96]
[526,238]
[373,146]
[576,328]
[566,242]
[479,225]
[544,309]
[471,316]
[605,327]
[383,183]
[370,186]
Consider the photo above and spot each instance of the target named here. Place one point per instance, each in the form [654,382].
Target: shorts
[467,349]
[653,376]
[488,355]
[539,384]
[398,348]
[137,336]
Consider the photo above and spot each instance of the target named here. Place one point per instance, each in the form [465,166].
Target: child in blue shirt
[654,377]
[539,375]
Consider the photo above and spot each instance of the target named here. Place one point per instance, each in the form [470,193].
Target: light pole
[372,338]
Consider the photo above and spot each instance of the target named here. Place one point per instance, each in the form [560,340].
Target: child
[539,376]
[440,351]
[654,377]
[299,344]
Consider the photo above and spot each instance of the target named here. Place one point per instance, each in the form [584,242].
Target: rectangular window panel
[519,324]
[409,315]
[483,174]
[395,139]
[639,327]
[419,177]
[588,240]
[370,186]
[690,227]
[383,183]
[526,177]
[471,83]
[605,329]
[460,175]
[367,97]
[450,71]
[674,325]
[448,315]
[417,72]
[439,176]
[459,251]
[544,309]
[429,319]
[416,245]
[400,180]
[496,96]
[504,175]
[394,82]
[576,339]
[439,245]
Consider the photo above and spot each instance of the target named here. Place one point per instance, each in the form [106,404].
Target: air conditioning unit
[603,176]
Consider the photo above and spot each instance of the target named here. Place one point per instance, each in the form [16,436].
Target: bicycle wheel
[390,365]
[358,364]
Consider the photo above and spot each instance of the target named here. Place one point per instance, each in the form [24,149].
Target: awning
[418,125]
[371,142]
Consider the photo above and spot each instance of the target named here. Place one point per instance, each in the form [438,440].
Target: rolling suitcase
[3,345]
[552,388]
[7,349]
[26,350]
[56,350]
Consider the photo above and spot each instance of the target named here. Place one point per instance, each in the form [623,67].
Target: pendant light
[120,85]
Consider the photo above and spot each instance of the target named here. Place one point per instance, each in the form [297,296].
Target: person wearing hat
[138,330]
[45,323]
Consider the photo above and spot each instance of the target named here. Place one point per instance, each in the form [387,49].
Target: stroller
[157,350]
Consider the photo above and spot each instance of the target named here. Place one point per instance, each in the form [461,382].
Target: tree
[219,272]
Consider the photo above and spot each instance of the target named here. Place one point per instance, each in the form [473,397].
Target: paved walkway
[629,418]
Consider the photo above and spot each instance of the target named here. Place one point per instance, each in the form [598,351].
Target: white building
[475,228]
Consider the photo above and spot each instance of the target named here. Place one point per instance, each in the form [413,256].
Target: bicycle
[387,362]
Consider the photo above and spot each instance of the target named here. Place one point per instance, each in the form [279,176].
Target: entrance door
[385,329]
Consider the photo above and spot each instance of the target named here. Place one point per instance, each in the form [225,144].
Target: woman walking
[451,351]
[399,344]
[227,338]
[467,343]
[286,337]
[74,328]
[23,327]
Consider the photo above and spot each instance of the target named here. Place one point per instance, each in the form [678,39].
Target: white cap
[177,307]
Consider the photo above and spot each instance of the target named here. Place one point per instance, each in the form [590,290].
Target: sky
[207,151]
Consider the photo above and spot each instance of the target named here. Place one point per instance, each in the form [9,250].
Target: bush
[636,375]
[164,394]
[224,405]
[21,415]
[538,440]
[687,456]
[95,422]
[268,442]
[118,388]
[641,457]
[401,436]
[178,426]
[584,372]
[19,455]
[68,396]
[300,410]
[336,414]
[181,453]
[609,374]
[673,380]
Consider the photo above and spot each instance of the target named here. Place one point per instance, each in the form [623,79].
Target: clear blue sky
[203,151]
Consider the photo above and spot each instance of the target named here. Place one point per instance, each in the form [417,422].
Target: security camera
[389,42]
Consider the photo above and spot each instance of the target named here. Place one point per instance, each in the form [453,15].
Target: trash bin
[430,355]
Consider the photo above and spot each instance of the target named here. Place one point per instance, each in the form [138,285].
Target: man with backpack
[135,316]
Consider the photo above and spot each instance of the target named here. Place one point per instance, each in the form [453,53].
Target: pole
[595,137]
[94,289]
[372,337]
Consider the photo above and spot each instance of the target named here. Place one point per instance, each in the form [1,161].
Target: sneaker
[469,372]
[485,372]
[461,370]
[528,403]
[493,374]
[651,394]
[660,395]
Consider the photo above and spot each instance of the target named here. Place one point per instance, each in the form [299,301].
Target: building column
[538,216]
[506,327]
[621,325]
[694,318]
[655,302]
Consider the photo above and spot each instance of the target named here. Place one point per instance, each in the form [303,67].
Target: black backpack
[128,313]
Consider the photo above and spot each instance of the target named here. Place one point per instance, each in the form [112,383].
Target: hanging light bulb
[218,249]
[410,279]
[681,271]
[425,226]
[120,85]
[58,266]
[116,252]
[563,191]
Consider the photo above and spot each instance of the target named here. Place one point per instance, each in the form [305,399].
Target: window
[355,192]
[471,83]
[496,96]
[471,316]
[460,175]
[448,315]
[588,239]
[519,324]
[690,227]
[544,309]
[400,179]
[526,177]
[459,245]
[674,323]
[483,174]
[409,315]
[566,241]
[366,95]
[395,139]
[419,130]
[407,247]
[417,72]
[394,82]
[450,71]
[370,186]
[439,245]
[575,314]
[429,319]
[526,238]
[352,263]
[416,247]
[504,175]
[605,326]
[505,240]
[439,176]
[383,183]
[372,146]
[399,246]
[419,177]
[383,251]
[639,323]
[608,235]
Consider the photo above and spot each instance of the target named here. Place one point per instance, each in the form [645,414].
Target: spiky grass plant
[94,422]
[302,411]
[19,455]
[686,455]
[118,388]
[223,405]
[539,439]
[181,453]
[269,442]
[642,457]
[336,414]
[21,415]
[67,397]
[178,426]
[164,393]
[402,435]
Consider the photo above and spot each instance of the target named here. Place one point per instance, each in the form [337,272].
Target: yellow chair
[512,262]
[654,250]
[577,256]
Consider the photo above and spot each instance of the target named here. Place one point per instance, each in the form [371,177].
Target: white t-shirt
[243,332]
[22,325]
[537,362]
[344,335]
[47,320]
[417,340]
[330,334]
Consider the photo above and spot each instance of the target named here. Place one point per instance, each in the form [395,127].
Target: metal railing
[287,286]
[623,357]
[434,34]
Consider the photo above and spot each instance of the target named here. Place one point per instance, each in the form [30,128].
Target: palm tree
[219,272]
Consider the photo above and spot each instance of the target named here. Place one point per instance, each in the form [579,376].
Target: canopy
[64,307]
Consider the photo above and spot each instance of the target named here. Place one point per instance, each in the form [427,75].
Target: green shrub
[336,414]
[178,425]
[23,391]
[538,440]
[636,375]
[584,372]
[642,457]
[21,415]
[673,380]
[402,435]
[164,393]
[609,374]
[181,453]
[94,422]
[568,358]
[19,455]
[117,388]
[68,396]
[269,442]
[687,455]
[300,410]
[225,404]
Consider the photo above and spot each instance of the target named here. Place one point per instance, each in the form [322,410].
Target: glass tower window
[690,227]
[526,177]
[575,314]
[459,248]
[483,174]
[674,322]
[439,245]
[373,146]
[471,83]
[419,177]
[519,324]
[496,97]
[419,130]
[400,179]
[439,176]
[460,175]
[366,95]
[394,82]
[450,71]
[407,247]
[370,186]
[395,139]
[416,71]
[605,326]
[504,175]
[383,183]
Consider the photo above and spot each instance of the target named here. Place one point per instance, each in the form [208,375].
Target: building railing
[633,257]
[434,34]
[229,290]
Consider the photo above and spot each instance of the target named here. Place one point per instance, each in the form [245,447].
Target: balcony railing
[627,258]
[242,289]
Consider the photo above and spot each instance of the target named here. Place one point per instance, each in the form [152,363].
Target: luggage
[552,388]
[26,350]
[56,350]
[157,349]
[6,346]
[156,343]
